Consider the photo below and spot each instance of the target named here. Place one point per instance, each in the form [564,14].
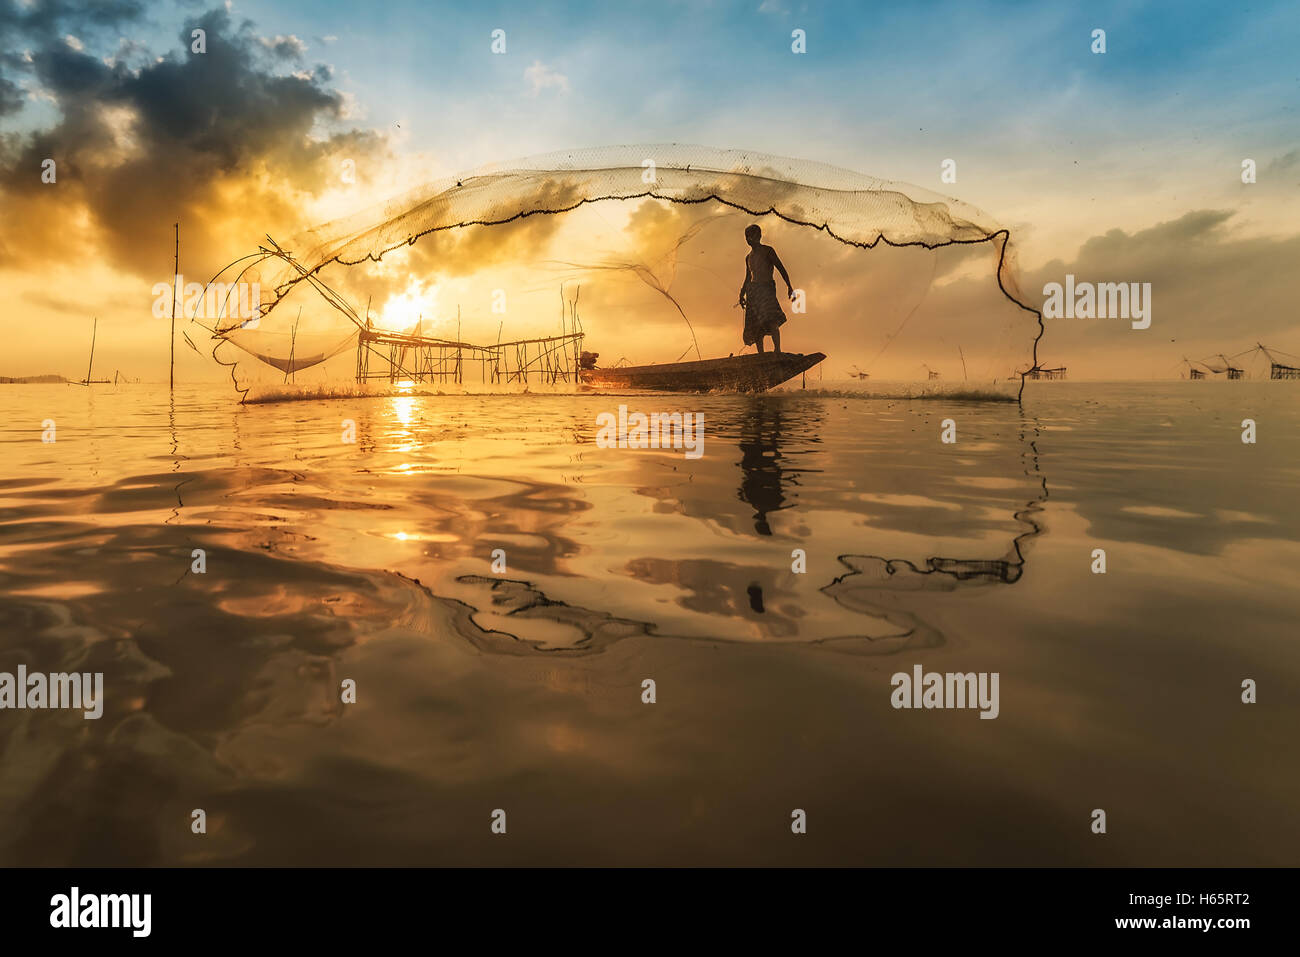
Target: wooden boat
[752,372]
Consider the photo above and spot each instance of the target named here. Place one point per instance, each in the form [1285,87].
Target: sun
[416,304]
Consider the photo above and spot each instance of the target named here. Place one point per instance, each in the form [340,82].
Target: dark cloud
[11,97]
[216,139]
[51,19]
[1197,226]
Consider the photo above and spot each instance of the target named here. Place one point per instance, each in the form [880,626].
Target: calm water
[372,561]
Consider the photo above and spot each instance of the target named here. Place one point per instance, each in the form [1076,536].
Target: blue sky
[1010,90]
[884,80]
[945,69]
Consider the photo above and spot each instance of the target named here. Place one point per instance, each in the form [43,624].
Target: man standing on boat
[763,313]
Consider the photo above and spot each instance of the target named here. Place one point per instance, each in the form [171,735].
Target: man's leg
[776,341]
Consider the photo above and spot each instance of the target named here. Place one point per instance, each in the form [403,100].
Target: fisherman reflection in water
[763,313]
[761,483]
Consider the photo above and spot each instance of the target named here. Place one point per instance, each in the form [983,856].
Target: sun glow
[416,304]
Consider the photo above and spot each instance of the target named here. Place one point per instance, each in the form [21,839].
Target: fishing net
[641,249]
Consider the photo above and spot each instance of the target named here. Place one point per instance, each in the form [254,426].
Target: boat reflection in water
[762,475]
[867,581]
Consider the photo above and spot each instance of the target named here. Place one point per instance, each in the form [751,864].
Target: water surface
[329,560]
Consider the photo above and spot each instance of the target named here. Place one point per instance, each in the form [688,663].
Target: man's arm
[780,267]
[745,282]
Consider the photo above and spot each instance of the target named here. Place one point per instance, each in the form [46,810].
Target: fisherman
[763,313]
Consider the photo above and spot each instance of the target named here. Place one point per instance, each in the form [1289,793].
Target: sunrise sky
[1122,166]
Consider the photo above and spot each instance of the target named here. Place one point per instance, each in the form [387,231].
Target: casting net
[641,249]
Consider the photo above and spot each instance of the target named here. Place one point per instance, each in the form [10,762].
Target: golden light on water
[423,536]
[404,407]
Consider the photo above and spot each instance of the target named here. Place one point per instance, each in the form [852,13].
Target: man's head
[753,234]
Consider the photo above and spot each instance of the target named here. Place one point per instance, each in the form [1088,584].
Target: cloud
[1197,226]
[223,141]
[1288,160]
[47,20]
[55,304]
[1211,291]
[285,47]
[541,77]
[11,97]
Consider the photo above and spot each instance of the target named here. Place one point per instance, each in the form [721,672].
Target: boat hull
[753,372]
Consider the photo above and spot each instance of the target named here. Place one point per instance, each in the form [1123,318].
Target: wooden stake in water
[293,339]
[176,271]
[93,330]
[90,368]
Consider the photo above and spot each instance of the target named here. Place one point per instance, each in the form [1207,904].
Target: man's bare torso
[760,265]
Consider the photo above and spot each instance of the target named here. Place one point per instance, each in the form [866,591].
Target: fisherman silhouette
[763,313]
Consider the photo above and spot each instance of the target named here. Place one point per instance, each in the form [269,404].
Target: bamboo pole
[176,270]
[293,340]
[93,329]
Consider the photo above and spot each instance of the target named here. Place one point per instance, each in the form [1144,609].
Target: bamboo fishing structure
[412,356]
[1234,372]
[1037,372]
[1281,365]
[401,357]
[1276,369]
[415,357]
